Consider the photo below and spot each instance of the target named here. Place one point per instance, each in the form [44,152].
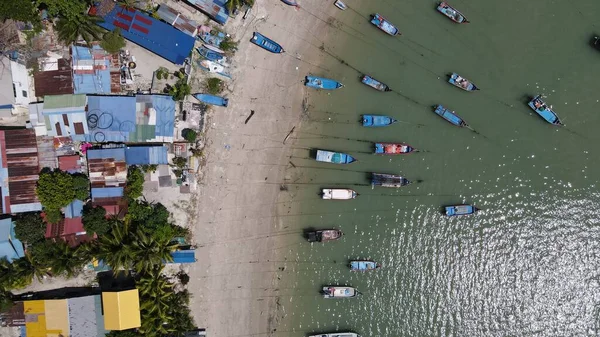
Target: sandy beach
[239,237]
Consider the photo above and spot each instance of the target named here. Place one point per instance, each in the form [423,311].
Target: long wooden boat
[377,120]
[375,84]
[290,2]
[210,54]
[546,112]
[324,235]
[456,210]
[383,24]
[334,157]
[451,13]
[266,43]
[388,180]
[393,148]
[214,68]
[339,4]
[450,116]
[364,265]
[336,334]
[339,292]
[212,99]
[461,82]
[338,194]
[321,83]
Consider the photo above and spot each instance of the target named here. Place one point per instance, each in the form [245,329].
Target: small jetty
[451,13]
[322,83]
[266,43]
[543,110]
[372,121]
[324,235]
[380,22]
[375,84]
[393,148]
[456,210]
[450,116]
[338,292]
[334,157]
[462,83]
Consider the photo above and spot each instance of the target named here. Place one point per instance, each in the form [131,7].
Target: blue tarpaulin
[184,256]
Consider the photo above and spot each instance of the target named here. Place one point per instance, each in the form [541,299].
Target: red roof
[69,163]
[67,230]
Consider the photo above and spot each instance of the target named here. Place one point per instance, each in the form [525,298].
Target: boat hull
[212,99]
[339,4]
[388,180]
[462,83]
[266,43]
[373,121]
[209,54]
[451,13]
[336,334]
[457,210]
[334,157]
[392,149]
[450,116]
[324,235]
[380,22]
[338,194]
[322,83]
[290,2]
[375,84]
[542,109]
[363,265]
[338,292]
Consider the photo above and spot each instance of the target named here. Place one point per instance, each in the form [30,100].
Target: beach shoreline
[241,241]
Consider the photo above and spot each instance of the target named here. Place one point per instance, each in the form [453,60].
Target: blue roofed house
[74,209]
[64,116]
[10,247]
[154,35]
[94,71]
[146,155]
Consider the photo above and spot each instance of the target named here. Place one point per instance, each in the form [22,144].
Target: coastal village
[101,151]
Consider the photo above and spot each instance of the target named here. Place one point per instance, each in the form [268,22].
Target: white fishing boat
[338,194]
[339,4]
[336,334]
[339,292]
[215,68]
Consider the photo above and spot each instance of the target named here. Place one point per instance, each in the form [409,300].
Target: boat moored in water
[338,194]
[338,292]
[451,13]
[266,43]
[377,120]
[393,148]
[461,82]
[334,157]
[364,265]
[383,24]
[546,112]
[375,84]
[336,334]
[324,235]
[322,83]
[212,99]
[460,210]
[339,4]
[388,180]
[450,116]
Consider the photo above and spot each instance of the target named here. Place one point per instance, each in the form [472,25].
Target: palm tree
[151,252]
[232,5]
[26,268]
[65,260]
[128,4]
[115,247]
[70,30]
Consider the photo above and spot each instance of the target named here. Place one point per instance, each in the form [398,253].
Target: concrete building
[14,88]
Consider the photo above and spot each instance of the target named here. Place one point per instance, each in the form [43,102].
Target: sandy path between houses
[233,282]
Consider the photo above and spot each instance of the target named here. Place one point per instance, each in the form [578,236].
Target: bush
[53,215]
[180,89]
[228,44]
[94,220]
[81,185]
[189,135]
[183,278]
[179,162]
[135,182]
[30,227]
[113,41]
[55,189]
[214,86]
[149,168]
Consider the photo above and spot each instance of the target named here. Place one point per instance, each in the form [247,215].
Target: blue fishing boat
[375,84]
[334,157]
[460,210]
[451,13]
[461,82]
[450,116]
[209,54]
[364,265]
[291,3]
[546,112]
[383,24]
[211,38]
[212,99]
[322,83]
[388,180]
[266,43]
[377,120]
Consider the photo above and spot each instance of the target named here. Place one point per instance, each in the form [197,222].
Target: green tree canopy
[70,30]
[189,135]
[24,11]
[60,258]
[113,41]
[55,189]
[30,227]
[94,220]
[71,10]
[135,182]
[81,184]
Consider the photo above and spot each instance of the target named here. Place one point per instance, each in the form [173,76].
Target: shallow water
[528,263]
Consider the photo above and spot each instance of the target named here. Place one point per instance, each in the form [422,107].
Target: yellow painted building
[121,310]
[46,318]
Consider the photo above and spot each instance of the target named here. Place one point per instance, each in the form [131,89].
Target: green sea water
[528,264]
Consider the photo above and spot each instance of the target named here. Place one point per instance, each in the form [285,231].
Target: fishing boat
[209,54]
[334,157]
[461,82]
[212,99]
[375,84]
[214,68]
[321,83]
[266,43]
[450,116]
[339,4]
[377,120]
[338,194]
[460,210]
[383,24]
[546,112]
[451,13]
[336,334]
[291,2]
[364,265]
[596,42]
[338,292]
[212,39]
[393,148]
[388,180]
[324,235]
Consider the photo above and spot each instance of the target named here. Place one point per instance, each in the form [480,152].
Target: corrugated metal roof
[107,192]
[152,34]
[97,78]
[121,310]
[177,20]
[69,163]
[146,155]
[10,247]
[215,9]
[64,101]
[107,172]
[54,82]
[74,209]
[83,316]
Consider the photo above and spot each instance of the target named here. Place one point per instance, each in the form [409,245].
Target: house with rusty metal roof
[19,171]
[56,80]
[64,116]
[107,173]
